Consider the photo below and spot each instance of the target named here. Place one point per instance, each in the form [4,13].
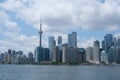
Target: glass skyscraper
[72,39]
[52,43]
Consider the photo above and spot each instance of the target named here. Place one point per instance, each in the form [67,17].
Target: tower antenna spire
[40,32]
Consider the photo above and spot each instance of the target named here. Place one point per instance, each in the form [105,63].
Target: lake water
[59,72]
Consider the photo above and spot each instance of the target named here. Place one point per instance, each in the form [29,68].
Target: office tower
[118,54]
[30,55]
[9,56]
[72,53]
[110,55]
[60,47]
[56,54]
[89,54]
[103,45]
[9,51]
[81,56]
[6,57]
[64,54]
[118,42]
[96,52]
[46,55]
[103,57]
[72,39]
[2,57]
[52,43]
[59,40]
[39,54]
[108,38]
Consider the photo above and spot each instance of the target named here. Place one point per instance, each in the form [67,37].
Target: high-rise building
[60,47]
[118,54]
[89,54]
[72,53]
[104,57]
[118,42]
[81,56]
[72,39]
[9,51]
[30,55]
[64,54]
[9,56]
[59,40]
[96,52]
[39,55]
[103,45]
[2,57]
[108,38]
[56,54]
[46,55]
[108,42]
[52,43]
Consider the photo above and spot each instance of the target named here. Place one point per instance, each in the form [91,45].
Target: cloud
[86,42]
[87,14]
[6,23]
[59,17]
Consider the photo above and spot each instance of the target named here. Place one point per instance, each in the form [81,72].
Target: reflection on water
[52,72]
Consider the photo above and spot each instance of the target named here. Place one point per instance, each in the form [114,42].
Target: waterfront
[59,72]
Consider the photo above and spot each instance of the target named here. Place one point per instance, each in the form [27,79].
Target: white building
[89,54]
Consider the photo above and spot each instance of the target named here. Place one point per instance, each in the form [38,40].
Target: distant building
[72,39]
[59,40]
[104,57]
[46,54]
[108,42]
[70,54]
[103,45]
[56,54]
[96,52]
[64,54]
[52,43]
[39,54]
[30,55]
[89,54]
[81,56]
[2,57]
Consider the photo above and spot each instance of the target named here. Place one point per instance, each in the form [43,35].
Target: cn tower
[40,32]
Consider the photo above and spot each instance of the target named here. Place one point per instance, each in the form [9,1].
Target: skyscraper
[56,54]
[72,39]
[108,38]
[59,40]
[39,55]
[103,45]
[52,43]
[30,55]
[89,54]
[96,52]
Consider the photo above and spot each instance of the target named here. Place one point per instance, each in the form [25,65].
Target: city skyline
[20,20]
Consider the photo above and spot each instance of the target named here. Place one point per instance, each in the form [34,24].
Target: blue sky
[91,19]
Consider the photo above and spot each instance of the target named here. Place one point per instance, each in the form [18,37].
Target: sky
[91,19]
